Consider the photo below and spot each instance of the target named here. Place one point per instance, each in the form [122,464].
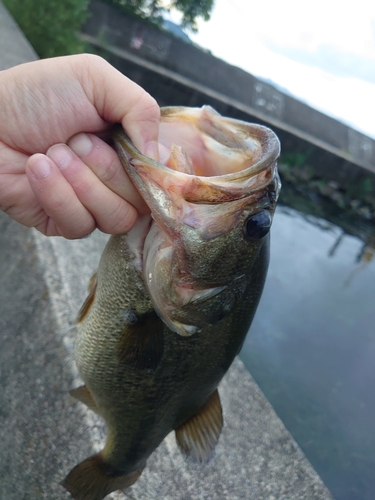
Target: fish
[173,299]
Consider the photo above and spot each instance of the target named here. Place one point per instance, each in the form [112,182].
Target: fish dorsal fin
[142,342]
[89,299]
[197,438]
[93,479]
[84,395]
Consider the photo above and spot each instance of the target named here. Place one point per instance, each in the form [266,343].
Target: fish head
[212,200]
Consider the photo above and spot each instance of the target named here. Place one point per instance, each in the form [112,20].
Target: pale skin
[56,173]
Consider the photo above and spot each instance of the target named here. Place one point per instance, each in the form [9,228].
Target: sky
[322,52]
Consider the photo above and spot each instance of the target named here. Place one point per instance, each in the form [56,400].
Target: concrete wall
[43,433]
[175,72]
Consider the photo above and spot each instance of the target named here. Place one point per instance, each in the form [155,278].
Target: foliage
[192,9]
[51,26]
[152,10]
[364,188]
[294,159]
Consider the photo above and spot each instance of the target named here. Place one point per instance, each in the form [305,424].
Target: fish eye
[257,225]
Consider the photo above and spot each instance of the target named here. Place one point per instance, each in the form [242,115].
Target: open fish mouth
[213,171]
[208,159]
[224,156]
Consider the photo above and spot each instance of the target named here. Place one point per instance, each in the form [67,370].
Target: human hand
[54,177]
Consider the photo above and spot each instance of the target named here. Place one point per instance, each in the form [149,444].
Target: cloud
[331,59]
[323,52]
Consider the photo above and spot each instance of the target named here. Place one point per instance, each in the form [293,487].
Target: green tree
[193,9]
[51,26]
[152,10]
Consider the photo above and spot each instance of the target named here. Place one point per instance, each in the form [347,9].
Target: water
[311,347]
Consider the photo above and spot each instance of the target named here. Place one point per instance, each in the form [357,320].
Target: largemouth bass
[173,299]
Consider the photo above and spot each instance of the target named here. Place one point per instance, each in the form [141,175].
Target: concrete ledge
[14,47]
[43,433]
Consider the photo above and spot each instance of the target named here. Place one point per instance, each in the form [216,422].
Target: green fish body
[173,299]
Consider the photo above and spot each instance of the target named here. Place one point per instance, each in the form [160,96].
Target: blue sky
[323,52]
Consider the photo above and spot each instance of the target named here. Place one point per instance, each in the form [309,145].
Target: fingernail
[61,155]
[40,167]
[81,144]
[152,150]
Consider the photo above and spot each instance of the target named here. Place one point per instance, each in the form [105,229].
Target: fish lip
[271,151]
[269,143]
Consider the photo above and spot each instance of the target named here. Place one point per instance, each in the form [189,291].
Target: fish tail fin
[93,479]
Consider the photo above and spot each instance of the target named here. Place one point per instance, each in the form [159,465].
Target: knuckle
[150,108]
[146,108]
[120,219]
[59,205]
[75,232]
[89,61]
[83,189]
[109,170]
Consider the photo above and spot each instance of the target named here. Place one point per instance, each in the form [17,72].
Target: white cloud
[242,32]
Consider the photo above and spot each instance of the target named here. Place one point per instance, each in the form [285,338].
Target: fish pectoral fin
[93,479]
[89,299]
[84,395]
[197,438]
[142,343]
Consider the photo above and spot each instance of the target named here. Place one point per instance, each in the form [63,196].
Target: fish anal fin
[142,342]
[198,436]
[93,479]
[89,299]
[84,395]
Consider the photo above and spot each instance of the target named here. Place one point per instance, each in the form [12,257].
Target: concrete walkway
[43,433]
[14,47]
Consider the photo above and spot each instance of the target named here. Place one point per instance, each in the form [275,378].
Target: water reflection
[311,347]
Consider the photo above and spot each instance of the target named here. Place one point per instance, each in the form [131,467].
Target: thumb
[120,100]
